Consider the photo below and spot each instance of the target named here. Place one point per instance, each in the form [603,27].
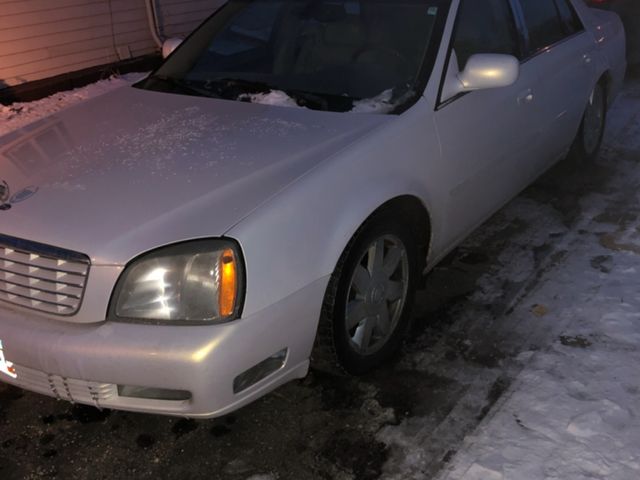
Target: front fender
[299,235]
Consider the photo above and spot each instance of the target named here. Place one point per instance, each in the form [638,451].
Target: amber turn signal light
[228,283]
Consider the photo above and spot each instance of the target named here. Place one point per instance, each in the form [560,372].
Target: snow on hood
[134,169]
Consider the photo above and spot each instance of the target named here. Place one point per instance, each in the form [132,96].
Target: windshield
[338,55]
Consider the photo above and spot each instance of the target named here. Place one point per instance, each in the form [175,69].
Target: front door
[489,138]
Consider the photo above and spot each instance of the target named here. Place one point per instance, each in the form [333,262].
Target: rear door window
[543,23]
[484,27]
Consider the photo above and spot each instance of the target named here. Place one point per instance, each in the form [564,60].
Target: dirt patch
[473,258]
[85,414]
[609,241]
[484,352]
[575,342]
[415,394]
[183,427]
[602,263]
[495,392]
[350,453]
[338,392]
[539,310]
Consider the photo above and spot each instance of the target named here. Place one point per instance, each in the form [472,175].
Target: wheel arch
[414,210]
[325,354]
[606,80]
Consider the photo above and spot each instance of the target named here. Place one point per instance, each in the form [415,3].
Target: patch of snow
[381,103]
[276,98]
[478,472]
[18,114]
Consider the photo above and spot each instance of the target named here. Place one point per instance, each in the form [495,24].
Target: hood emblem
[7,200]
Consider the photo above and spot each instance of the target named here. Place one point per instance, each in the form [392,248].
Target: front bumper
[86,363]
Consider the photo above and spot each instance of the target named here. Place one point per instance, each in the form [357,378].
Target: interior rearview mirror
[169,46]
[482,71]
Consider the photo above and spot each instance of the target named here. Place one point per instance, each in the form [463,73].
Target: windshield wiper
[182,85]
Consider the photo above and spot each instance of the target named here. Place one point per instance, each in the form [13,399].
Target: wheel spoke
[362,336]
[367,332]
[376,253]
[356,312]
[361,280]
[383,320]
[394,290]
[392,260]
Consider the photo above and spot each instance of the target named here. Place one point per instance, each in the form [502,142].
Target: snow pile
[17,115]
[276,98]
[379,104]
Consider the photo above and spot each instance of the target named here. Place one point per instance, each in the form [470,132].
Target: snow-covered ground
[573,411]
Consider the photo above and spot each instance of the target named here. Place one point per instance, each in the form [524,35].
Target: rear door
[561,50]
[489,138]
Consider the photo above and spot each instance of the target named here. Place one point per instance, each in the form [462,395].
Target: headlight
[198,281]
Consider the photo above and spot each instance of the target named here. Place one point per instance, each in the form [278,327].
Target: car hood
[133,169]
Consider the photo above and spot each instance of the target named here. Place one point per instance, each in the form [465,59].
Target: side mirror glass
[483,70]
[169,46]
[489,70]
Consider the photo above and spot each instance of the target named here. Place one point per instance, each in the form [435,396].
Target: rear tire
[586,145]
[367,307]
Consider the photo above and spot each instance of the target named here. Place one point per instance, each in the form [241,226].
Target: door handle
[525,97]
[586,58]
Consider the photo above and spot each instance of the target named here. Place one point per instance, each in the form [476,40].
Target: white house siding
[179,17]
[44,38]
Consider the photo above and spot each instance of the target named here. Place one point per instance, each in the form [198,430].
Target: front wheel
[367,307]
[589,138]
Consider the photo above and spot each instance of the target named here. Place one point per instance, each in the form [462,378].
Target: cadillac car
[269,198]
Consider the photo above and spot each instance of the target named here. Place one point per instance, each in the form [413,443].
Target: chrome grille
[41,277]
[63,388]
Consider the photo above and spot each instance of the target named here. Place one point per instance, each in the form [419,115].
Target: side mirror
[483,70]
[169,46]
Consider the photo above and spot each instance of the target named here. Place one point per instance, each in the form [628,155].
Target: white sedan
[271,195]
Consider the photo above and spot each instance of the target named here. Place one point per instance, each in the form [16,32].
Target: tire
[586,145]
[366,311]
